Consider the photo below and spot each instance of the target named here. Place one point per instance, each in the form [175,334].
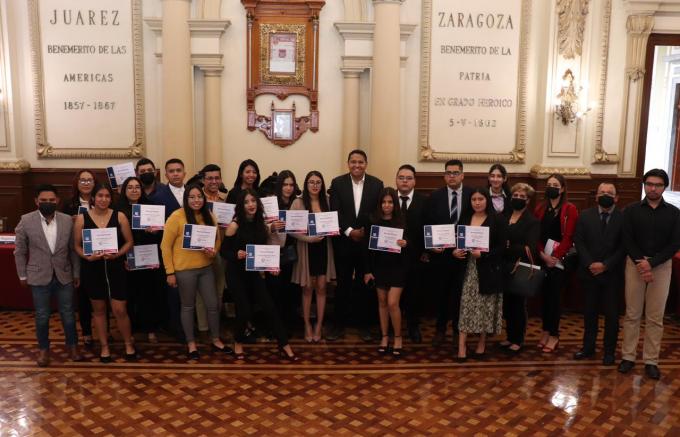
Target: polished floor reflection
[343,388]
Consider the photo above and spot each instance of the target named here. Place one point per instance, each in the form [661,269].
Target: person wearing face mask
[523,230]
[558,222]
[46,262]
[599,242]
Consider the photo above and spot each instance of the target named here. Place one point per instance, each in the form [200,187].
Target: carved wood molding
[570,26]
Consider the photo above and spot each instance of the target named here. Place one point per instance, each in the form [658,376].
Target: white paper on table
[123,171]
[202,237]
[224,212]
[550,246]
[103,240]
[150,216]
[297,221]
[476,237]
[327,223]
[263,257]
[146,256]
[271,207]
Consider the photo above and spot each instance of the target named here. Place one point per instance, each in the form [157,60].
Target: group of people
[605,244]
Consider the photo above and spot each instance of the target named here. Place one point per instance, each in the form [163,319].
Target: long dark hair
[397,216]
[97,188]
[189,213]
[323,199]
[239,176]
[278,190]
[563,182]
[75,192]
[258,219]
[123,205]
[489,210]
[504,172]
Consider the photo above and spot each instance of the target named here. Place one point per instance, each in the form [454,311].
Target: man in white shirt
[46,262]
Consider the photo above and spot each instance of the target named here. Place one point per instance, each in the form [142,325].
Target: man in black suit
[599,243]
[446,206]
[413,206]
[354,196]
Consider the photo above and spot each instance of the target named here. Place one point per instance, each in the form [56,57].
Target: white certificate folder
[100,240]
[384,238]
[263,257]
[143,257]
[439,236]
[198,237]
[148,216]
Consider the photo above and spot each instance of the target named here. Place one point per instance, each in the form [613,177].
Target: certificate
[282,53]
[385,239]
[118,173]
[223,211]
[549,248]
[473,238]
[262,257]
[296,221]
[323,224]
[8,239]
[197,237]
[100,240]
[439,236]
[143,257]
[271,207]
[148,216]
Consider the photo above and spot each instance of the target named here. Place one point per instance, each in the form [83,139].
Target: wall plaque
[88,78]
[473,86]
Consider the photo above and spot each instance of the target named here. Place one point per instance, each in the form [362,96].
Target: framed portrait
[282,124]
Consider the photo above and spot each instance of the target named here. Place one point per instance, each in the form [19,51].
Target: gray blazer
[33,257]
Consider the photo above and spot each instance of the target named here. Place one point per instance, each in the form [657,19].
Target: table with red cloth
[12,294]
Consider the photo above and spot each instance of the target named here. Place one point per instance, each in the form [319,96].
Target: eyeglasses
[405,178]
[653,185]
[314,183]
[86,181]
[453,173]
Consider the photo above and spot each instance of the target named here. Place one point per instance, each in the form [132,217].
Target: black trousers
[286,295]
[448,289]
[145,290]
[352,297]
[552,300]
[249,287]
[515,313]
[413,297]
[602,289]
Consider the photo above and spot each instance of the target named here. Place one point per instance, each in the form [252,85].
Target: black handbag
[288,255]
[526,281]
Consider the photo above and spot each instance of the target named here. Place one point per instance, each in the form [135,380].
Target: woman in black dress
[145,287]
[103,276]
[387,270]
[248,178]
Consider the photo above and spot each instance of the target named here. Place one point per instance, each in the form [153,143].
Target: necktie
[404,204]
[603,218]
[454,208]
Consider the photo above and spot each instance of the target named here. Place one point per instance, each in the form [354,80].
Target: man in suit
[170,195]
[354,196]
[413,206]
[46,262]
[599,243]
[446,206]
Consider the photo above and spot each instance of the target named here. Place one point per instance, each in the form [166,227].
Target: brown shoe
[43,358]
[73,353]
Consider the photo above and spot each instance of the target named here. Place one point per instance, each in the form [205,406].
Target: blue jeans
[41,302]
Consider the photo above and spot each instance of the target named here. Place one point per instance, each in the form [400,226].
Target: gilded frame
[44,149]
[425,150]
[269,78]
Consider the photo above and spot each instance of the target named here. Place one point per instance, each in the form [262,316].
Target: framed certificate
[143,257]
[148,216]
[198,237]
[439,236]
[263,257]
[282,124]
[473,238]
[296,221]
[385,239]
[323,224]
[100,240]
[282,53]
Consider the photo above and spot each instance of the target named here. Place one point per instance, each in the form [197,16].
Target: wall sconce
[567,102]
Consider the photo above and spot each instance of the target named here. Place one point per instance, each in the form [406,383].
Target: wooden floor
[341,388]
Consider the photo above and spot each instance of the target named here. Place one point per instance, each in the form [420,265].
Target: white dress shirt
[178,193]
[50,230]
[410,199]
[459,199]
[357,192]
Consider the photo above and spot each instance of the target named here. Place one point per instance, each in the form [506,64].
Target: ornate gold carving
[570,26]
[541,171]
[18,165]
[425,150]
[46,150]
[268,78]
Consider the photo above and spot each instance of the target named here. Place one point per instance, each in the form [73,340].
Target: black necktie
[404,204]
[603,218]
[454,208]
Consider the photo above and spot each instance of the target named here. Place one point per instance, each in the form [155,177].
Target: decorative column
[350,112]
[213,115]
[177,130]
[639,27]
[385,91]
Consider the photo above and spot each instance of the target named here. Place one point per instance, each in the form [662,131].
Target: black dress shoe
[608,360]
[626,366]
[105,359]
[438,339]
[193,355]
[652,371]
[583,355]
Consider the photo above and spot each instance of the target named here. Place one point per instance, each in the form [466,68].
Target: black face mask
[552,192]
[605,201]
[47,208]
[147,178]
[517,203]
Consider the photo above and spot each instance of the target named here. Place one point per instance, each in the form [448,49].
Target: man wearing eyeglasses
[446,206]
[651,235]
[212,181]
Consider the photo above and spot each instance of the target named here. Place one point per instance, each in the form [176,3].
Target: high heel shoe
[397,351]
[548,350]
[383,349]
[193,355]
[105,358]
[130,356]
[317,338]
[308,333]
[224,349]
[285,355]
[239,355]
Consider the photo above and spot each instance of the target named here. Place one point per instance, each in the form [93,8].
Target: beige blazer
[301,267]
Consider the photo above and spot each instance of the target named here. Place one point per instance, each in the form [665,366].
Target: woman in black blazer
[499,190]
[481,301]
[523,231]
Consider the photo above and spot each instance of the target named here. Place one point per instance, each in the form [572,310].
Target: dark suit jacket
[342,201]
[592,245]
[415,220]
[525,232]
[163,196]
[438,206]
[490,266]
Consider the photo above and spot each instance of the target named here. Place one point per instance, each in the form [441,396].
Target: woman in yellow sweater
[191,270]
